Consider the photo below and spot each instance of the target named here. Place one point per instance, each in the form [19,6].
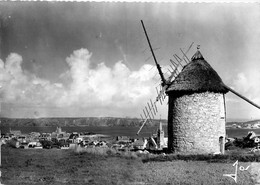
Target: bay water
[117,130]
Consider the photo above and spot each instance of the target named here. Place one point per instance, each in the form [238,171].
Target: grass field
[56,166]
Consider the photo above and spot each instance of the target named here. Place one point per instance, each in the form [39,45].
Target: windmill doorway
[222,144]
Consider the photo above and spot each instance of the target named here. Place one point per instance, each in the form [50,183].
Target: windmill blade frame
[157,65]
[164,83]
[241,96]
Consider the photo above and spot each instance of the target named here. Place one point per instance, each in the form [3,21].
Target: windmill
[197,109]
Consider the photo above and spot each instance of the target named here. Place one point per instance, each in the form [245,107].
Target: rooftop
[197,76]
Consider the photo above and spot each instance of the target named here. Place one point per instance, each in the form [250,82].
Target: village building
[124,139]
[59,134]
[197,112]
[158,141]
[45,137]
[15,133]
[160,137]
[140,144]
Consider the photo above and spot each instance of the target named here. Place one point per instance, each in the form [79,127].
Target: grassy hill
[57,167]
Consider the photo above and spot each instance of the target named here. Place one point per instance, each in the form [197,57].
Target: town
[63,140]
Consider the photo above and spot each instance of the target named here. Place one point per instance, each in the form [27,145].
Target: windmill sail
[175,72]
[141,126]
[157,65]
[152,109]
[241,96]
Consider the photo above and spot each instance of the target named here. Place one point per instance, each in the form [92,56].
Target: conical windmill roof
[197,76]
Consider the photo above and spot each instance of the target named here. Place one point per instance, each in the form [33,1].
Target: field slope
[67,167]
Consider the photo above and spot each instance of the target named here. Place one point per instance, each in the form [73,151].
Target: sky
[92,59]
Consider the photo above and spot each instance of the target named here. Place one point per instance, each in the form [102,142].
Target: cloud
[20,87]
[116,89]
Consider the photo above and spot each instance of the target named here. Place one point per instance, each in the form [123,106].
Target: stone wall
[196,122]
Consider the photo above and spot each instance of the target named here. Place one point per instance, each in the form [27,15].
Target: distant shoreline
[242,128]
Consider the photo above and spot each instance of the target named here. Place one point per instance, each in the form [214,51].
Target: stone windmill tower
[197,111]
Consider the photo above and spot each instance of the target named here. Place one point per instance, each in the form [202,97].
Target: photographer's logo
[234,175]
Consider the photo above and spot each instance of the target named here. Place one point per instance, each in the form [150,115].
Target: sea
[110,131]
[118,130]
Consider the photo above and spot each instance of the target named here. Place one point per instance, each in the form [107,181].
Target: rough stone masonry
[196,122]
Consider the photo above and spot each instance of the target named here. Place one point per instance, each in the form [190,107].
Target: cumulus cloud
[22,87]
[117,87]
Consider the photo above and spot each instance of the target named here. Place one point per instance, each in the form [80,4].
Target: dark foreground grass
[69,167]
[227,158]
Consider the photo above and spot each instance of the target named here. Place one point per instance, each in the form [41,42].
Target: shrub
[243,157]
[111,151]
[104,151]
[96,150]
[46,144]
[129,154]
[13,143]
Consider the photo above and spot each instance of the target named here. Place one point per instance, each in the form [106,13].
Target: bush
[95,150]
[111,151]
[129,154]
[13,143]
[230,156]
[241,143]
[105,151]
[46,144]
[243,157]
